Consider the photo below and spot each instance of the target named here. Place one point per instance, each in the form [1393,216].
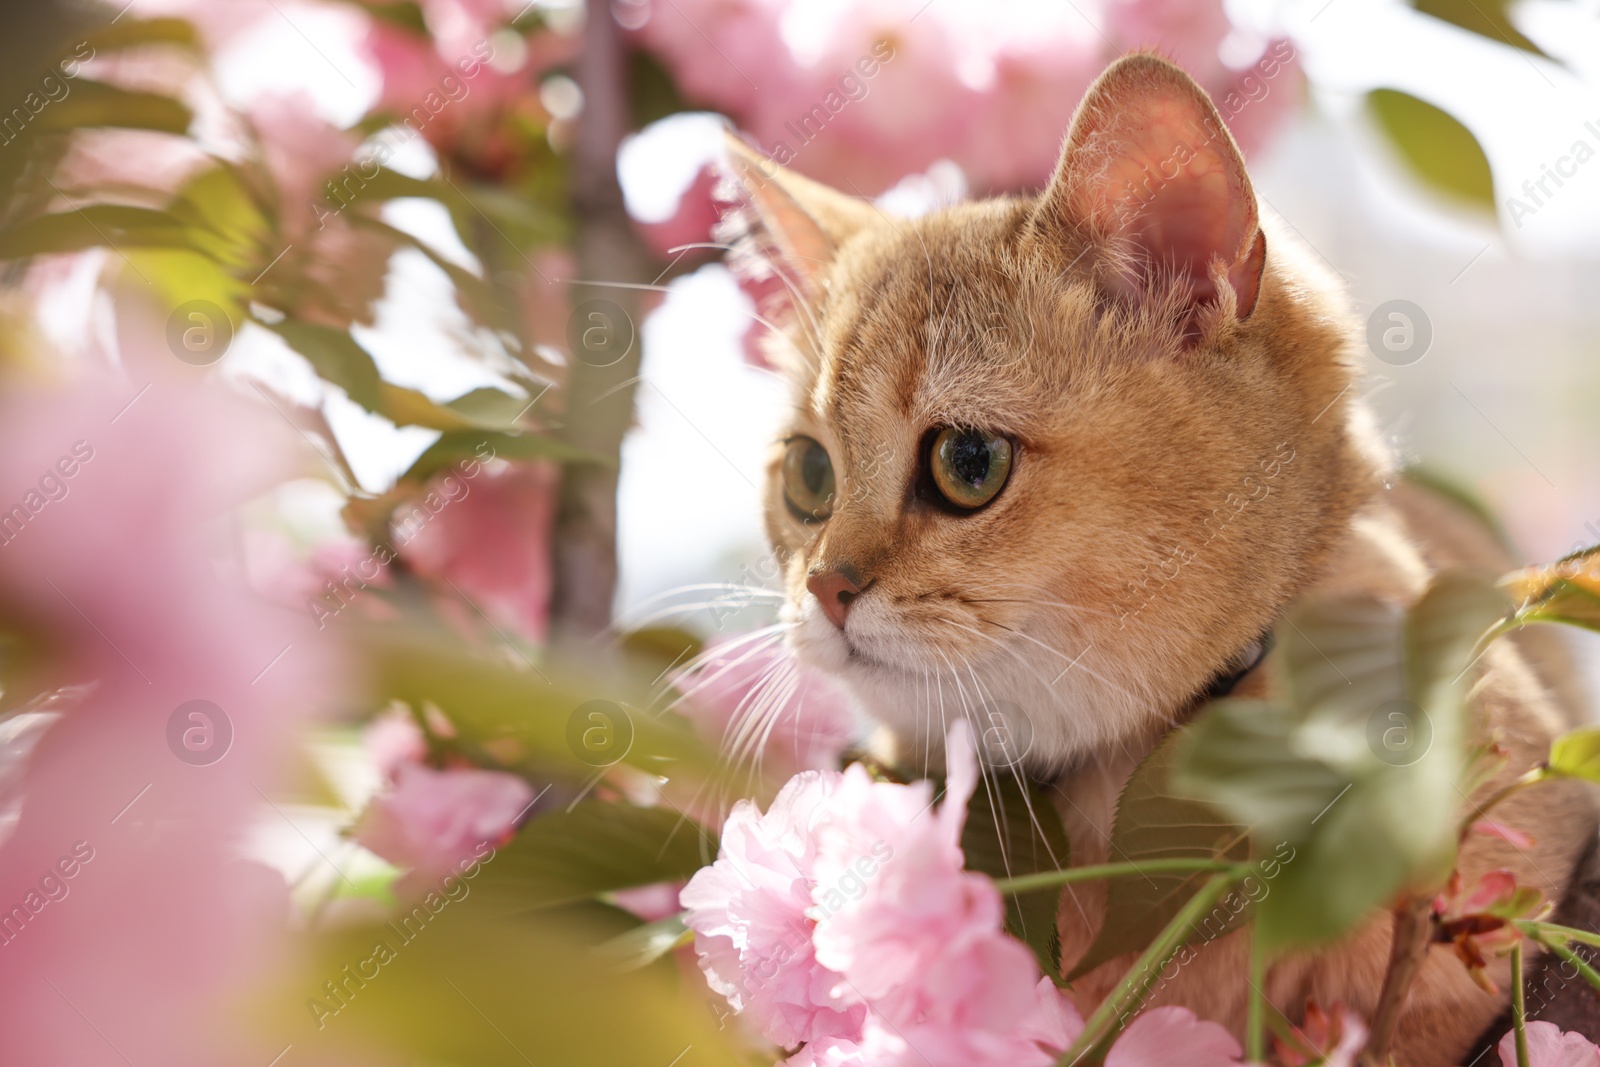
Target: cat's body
[1075,455]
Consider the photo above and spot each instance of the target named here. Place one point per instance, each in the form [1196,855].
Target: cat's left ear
[796,223]
[1152,179]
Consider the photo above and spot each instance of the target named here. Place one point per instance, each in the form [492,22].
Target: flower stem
[1024,883]
[1125,998]
[1519,1010]
[1556,942]
[1533,777]
[1542,931]
[1255,1037]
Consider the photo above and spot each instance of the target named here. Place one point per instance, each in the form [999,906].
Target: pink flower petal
[1549,1046]
[1173,1037]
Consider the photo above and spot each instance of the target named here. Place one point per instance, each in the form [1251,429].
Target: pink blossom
[843,918]
[1332,1038]
[489,543]
[1509,834]
[1550,1046]
[752,933]
[917,906]
[394,740]
[650,902]
[301,152]
[741,695]
[110,566]
[1173,1037]
[431,820]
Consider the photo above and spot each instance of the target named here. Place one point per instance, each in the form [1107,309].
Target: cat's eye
[969,467]
[808,478]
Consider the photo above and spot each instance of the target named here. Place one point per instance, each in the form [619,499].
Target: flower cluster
[843,920]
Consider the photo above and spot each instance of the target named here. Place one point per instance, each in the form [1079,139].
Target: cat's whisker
[694,670]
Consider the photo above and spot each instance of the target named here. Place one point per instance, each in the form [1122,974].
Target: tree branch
[601,383]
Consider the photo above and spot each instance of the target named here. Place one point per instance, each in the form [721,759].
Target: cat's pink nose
[834,590]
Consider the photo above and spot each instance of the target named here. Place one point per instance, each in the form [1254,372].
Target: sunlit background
[1444,154]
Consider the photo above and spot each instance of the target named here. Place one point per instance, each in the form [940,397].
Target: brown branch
[599,401]
[1413,932]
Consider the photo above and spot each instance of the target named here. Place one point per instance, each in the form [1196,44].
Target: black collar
[1248,659]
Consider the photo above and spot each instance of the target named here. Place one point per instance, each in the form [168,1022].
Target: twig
[1413,931]
[599,400]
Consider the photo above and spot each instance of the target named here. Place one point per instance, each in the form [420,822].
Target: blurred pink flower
[124,901]
[1255,83]
[1326,1037]
[394,740]
[650,902]
[1173,1037]
[1550,1046]
[455,83]
[861,94]
[748,912]
[745,697]
[430,820]
[490,543]
[302,152]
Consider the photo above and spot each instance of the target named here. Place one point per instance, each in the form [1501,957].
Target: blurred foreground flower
[124,900]
[490,543]
[431,821]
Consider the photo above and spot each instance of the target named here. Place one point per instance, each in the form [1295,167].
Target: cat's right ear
[1151,180]
[797,225]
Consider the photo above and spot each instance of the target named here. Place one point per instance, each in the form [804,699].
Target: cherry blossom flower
[1550,1046]
[123,855]
[752,933]
[843,918]
[431,820]
[490,544]
[1478,918]
[1173,1037]
[1333,1038]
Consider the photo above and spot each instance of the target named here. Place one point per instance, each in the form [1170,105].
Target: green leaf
[1577,754]
[492,409]
[534,719]
[223,216]
[597,847]
[1013,829]
[1439,150]
[1567,591]
[336,357]
[453,448]
[463,986]
[643,945]
[402,13]
[127,32]
[94,103]
[94,226]
[1154,822]
[1486,18]
[1358,770]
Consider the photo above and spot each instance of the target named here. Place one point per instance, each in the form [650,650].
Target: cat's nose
[834,590]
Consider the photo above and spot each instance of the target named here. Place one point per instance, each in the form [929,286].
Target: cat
[1003,410]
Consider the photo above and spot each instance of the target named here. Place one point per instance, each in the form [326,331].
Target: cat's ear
[795,223]
[1152,179]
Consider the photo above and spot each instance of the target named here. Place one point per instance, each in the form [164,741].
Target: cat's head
[1061,456]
